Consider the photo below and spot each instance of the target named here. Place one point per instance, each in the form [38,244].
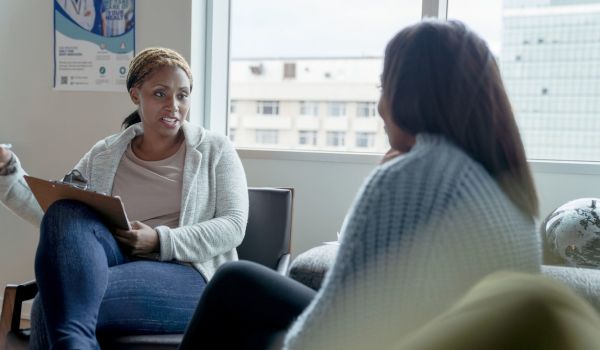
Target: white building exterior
[307,104]
[550,63]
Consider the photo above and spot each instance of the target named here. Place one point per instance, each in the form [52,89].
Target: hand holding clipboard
[111,209]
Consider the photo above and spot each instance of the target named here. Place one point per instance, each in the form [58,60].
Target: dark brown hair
[441,78]
[144,64]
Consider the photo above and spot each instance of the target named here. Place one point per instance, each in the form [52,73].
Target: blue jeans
[88,286]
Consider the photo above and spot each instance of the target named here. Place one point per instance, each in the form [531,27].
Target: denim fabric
[88,286]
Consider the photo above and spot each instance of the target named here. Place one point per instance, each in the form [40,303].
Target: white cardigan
[423,229]
[214,205]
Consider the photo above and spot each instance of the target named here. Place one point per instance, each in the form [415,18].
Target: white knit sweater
[214,198]
[422,230]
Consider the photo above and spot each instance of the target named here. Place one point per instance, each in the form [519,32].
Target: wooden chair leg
[8,308]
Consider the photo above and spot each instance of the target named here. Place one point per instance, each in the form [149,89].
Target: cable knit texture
[214,206]
[423,229]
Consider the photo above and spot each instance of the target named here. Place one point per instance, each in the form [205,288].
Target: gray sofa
[310,268]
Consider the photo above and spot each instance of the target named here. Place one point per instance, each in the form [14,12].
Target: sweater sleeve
[318,327]
[16,195]
[202,241]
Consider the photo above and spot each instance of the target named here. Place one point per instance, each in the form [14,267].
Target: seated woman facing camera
[456,205]
[184,187]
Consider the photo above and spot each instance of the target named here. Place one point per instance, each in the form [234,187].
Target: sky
[341,28]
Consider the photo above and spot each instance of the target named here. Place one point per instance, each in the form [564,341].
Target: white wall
[50,130]
[325,191]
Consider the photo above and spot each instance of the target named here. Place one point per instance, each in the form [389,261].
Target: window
[309,108]
[336,109]
[307,137]
[365,139]
[550,63]
[232,107]
[257,69]
[267,107]
[267,137]
[304,59]
[335,138]
[365,109]
[232,134]
[289,70]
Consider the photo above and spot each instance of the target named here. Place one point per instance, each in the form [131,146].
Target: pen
[5,145]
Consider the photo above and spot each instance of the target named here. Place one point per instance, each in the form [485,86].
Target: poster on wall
[93,43]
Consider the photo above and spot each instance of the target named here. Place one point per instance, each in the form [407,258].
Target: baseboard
[25,309]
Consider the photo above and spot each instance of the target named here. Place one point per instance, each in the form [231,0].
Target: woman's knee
[64,215]
[239,273]
[67,208]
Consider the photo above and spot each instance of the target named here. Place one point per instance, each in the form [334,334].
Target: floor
[25,323]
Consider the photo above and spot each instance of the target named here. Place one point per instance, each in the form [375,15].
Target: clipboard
[111,209]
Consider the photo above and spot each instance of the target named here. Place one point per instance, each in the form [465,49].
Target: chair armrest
[14,296]
[283,264]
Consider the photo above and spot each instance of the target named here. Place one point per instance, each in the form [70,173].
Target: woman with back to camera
[457,204]
[186,190]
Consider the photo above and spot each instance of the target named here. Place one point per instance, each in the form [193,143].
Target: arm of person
[15,194]
[202,241]
[14,191]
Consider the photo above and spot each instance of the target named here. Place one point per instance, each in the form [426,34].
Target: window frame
[308,135]
[369,106]
[213,96]
[367,136]
[306,103]
[262,105]
[340,106]
[266,132]
[337,135]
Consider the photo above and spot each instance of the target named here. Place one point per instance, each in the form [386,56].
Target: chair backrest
[269,229]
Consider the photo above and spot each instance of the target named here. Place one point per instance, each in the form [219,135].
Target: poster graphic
[93,43]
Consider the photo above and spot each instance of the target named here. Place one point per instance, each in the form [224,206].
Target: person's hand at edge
[141,239]
[390,154]
[5,156]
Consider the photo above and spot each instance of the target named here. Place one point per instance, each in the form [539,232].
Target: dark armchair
[267,241]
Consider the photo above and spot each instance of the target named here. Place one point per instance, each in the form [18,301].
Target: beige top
[151,190]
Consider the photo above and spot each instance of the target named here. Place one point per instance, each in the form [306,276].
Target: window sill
[537,166]
[565,167]
[311,156]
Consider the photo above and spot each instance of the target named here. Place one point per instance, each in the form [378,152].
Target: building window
[232,107]
[306,65]
[268,137]
[365,139]
[289,70]
[257,69]
[232,134]
[307,137]
[309,108]
[267,107]
[365,109]
[336,138]
[546,48]
[336,109]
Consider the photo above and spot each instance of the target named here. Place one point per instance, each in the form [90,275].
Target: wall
[325,191]
[50,130]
